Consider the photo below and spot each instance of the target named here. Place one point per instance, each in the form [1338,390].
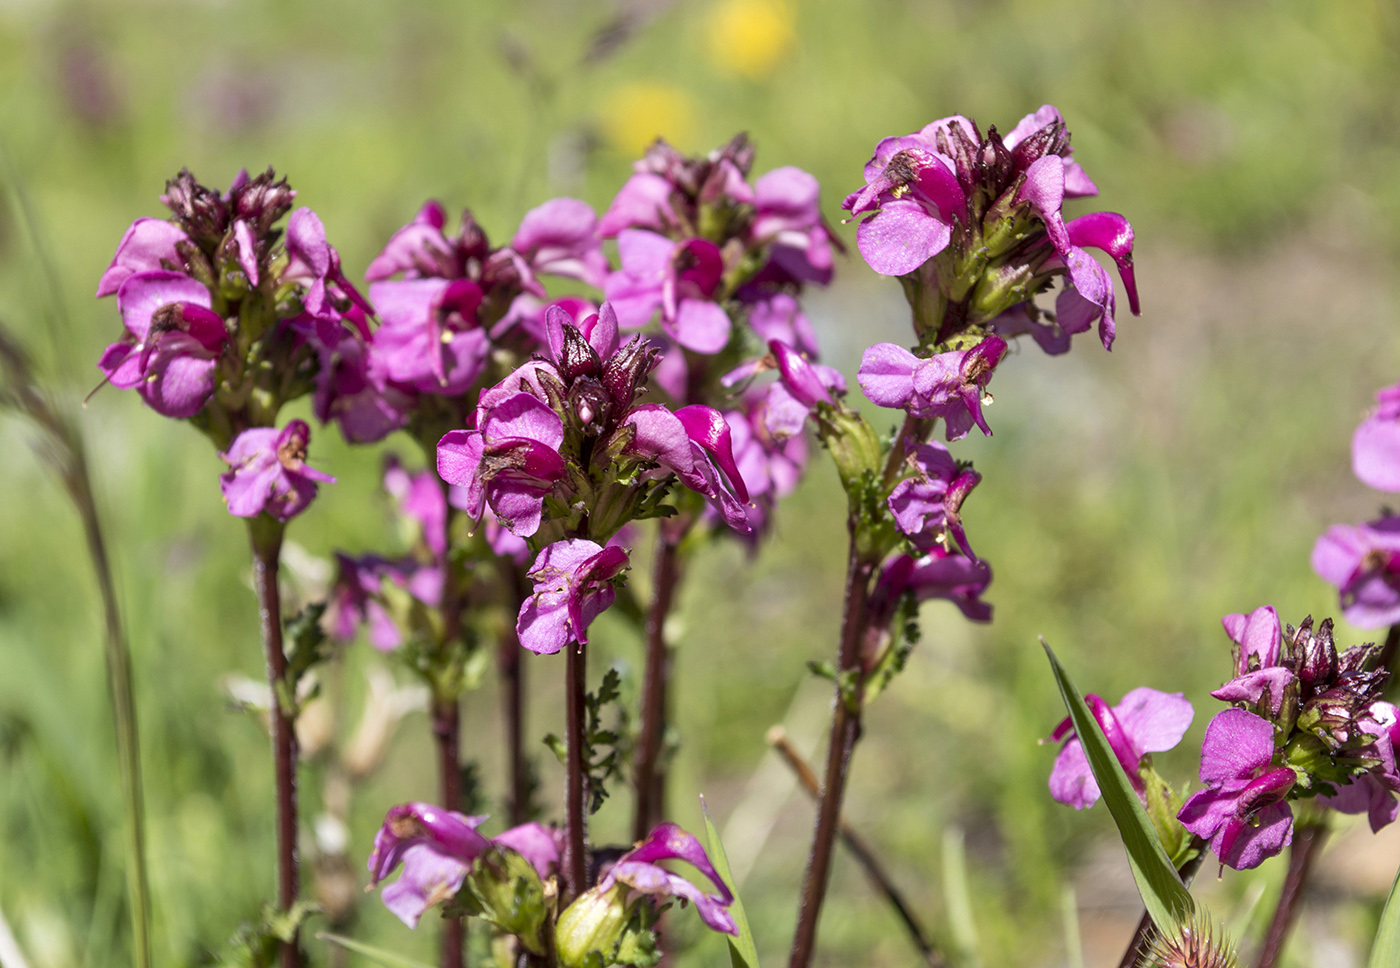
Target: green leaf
[958,892]
[1167,901]
[1385,950]
[742,953]
[378,955]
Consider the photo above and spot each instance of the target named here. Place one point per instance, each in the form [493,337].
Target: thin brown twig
[778,739]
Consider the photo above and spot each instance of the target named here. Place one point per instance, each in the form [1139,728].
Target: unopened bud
[591,927]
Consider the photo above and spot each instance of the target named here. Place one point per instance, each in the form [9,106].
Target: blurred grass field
[1129,500]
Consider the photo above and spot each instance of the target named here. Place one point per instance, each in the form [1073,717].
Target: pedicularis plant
[681,387]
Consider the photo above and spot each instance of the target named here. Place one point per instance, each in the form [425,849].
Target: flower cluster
[1306,722]
[973,227]
[215,302]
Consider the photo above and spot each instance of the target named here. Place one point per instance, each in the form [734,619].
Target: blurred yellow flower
[636,114]
[750,37]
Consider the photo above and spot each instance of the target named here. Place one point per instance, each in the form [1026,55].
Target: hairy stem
[845,729]
[1144,928]
[861,850]
[513,694]
[1307,844]
[266,537]
[446,733]
[648,777]
[575,864]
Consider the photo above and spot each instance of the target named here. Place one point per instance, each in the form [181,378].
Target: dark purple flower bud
[269,472]
[626,371]
[1315,653]
[261,201]
[590,403]
[200,211]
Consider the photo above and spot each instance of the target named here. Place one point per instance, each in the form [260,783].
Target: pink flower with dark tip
[948,385]
[1243,811]
[939,574]
[172,344]
[639,870]
[437,849]
[695,442]
[510,462]
[1258,639]
[1145,721]
[1363,561]
[678,278]
[561,238]
[269,472]
[1375,447]
[572,586]
[926,506]
[147,246]
[1373,792]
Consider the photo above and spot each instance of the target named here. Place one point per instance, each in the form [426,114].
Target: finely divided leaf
[742,953]
[1385,950]
[1166,898]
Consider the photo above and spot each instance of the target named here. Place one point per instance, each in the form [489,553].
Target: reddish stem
[266,538]
[513,695]
[649,779]
[1307,844]
[575,864]
[845,729]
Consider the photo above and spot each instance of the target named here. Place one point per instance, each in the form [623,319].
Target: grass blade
[378,955]
[1385,950]
[958,893]
[742,953]
[1167,901]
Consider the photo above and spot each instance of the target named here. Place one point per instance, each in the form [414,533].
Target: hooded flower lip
[1258,639]
[147,246]
[430,340]
[315,263]
[939,574]
[1375,447]
[915,197]
[560,238]
[697,444]
[269,472]
[420,249]
[678,278]
[572,587]
[948,385]
[172,344]
[638,870]
[802,385]
[787,215]
[437,849]
[1363,561]
[1144,721]
[926,506]
[1243,811]
[511,462]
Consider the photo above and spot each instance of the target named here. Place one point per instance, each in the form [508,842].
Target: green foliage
[604,750]
[1385,949]
[1166,898]
[505,889]
[742,952]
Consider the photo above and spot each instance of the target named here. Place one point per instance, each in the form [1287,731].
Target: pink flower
[1363,561]
[561,238]
[680,279]
[269,472]
[949,385]
[1375,447]
[1144,721]
[572,582]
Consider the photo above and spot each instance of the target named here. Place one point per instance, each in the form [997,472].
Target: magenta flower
[1144,721]
[926,506]
[437,849]
[802,385]
[172,344]
[1363,561]
[420,499]
[354,602]
[680,279]
[560,238]
[1041,122]
[788,217]
[1375,447]
[350,392]
[696,443]
[430,340]
[269,472]
[939,574]
[643,202]
[639,871]
[148,245]
[1258,637]
[1243,810]
[314,263]
[780,317]
[572,586]
[949,385]
[420,249]
[510,462]
[913,191]
[770,467]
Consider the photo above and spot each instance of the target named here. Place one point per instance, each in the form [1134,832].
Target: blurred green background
[1130,498]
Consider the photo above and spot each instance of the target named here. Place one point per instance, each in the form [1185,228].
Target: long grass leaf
[378,955]
[742,952]
[1167,901]
[1385,950]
